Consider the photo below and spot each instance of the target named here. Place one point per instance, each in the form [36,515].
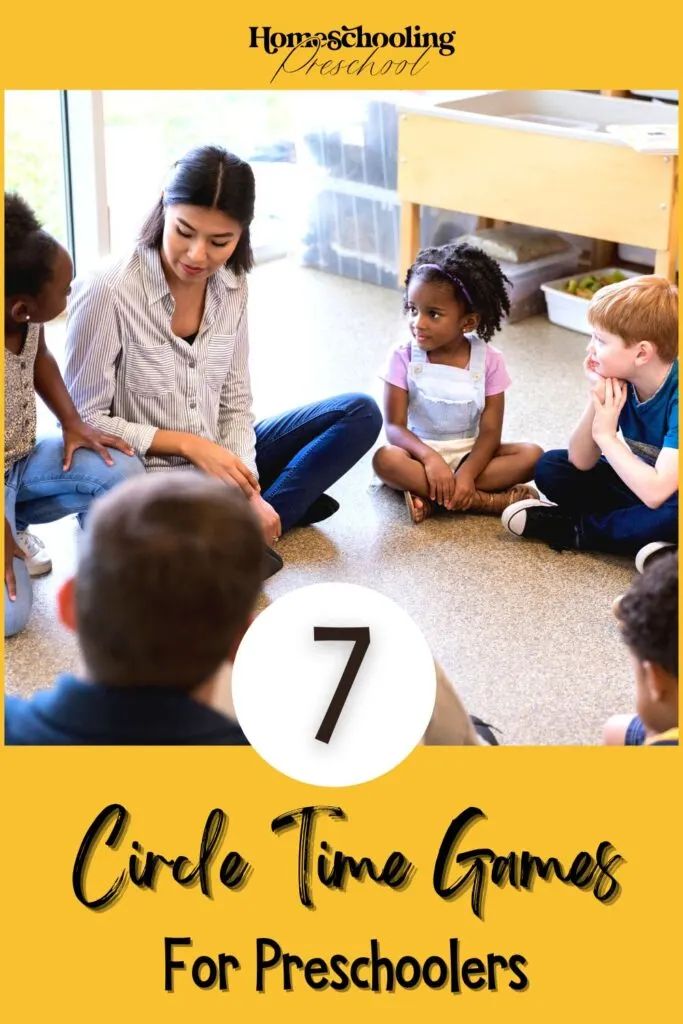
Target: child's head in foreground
[169,570]
[648,617]
[634,322]
[38,270]
[452,290]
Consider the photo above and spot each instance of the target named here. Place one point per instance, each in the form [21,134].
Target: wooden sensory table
[602,190]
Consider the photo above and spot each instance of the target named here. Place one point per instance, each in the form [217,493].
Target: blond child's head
[634,322]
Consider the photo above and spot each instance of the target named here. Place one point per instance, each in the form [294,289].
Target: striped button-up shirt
[130,375]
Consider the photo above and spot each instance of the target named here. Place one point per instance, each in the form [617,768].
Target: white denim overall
[445,403]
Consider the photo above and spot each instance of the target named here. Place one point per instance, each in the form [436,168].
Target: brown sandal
[494,503]
[428,507]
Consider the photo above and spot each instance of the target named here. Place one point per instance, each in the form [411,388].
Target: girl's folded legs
[497,486]
[511,465]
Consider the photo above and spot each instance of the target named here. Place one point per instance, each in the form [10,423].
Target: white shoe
[649,551]
[38,562]
[514,517]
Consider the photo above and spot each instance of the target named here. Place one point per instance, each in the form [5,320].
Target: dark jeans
[300,453]
[609,516]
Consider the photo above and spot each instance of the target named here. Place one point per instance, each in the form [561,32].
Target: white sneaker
[650,551]
[38,562]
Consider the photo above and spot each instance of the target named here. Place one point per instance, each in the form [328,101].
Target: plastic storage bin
[353,230]
[356,144]
[636,254]
[347,157]
[527,279]
[568,310]
[353,234]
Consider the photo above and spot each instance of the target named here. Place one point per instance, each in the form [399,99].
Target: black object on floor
[484,730]
[272,563]
[322,508]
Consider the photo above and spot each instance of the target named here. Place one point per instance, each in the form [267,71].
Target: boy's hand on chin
[609,396]
[598,388]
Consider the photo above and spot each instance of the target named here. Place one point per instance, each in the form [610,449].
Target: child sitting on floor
[610,492]
[648,617]
[444,392]
[168,574]
[51,479]
[169,568]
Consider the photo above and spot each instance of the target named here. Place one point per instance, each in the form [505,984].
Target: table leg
[410,237]
[665,259]
[665,263]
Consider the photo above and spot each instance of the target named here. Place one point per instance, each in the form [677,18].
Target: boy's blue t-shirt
[649,426]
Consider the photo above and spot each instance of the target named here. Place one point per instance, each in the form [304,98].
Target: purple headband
[451,277]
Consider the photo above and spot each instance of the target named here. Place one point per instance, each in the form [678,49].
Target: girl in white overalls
[444,392]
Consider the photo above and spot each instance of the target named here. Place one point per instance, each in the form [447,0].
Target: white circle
[284,681]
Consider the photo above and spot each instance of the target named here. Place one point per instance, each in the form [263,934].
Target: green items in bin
[586,287]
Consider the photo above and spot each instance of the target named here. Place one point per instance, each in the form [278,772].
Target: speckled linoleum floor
[525,633]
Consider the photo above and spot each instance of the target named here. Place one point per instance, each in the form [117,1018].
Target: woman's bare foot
[419,508]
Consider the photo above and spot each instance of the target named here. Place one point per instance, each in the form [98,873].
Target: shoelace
[31,543]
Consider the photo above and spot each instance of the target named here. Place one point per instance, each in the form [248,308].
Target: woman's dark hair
[648,614]
[29,251]
[476,278]
[211,177]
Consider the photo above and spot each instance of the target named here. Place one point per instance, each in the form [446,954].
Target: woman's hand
[78,434]
[608,401]
[12,550]
[439,478]
[221,463]
[271,527]
[464,492]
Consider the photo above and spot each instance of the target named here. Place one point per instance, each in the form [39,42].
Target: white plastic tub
[571,114]
[567,310]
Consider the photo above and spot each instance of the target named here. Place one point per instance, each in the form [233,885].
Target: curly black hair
[29,250]
[481,276]
[648,614]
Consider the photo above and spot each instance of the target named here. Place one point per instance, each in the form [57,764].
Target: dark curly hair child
[30,253]
[476,279]
[648,617]
[444,392]
[48,479]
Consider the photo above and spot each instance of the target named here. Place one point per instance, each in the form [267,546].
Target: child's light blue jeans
[38,490]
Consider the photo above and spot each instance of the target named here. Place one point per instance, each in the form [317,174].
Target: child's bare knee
[534,451]
[383,459]
[531,454]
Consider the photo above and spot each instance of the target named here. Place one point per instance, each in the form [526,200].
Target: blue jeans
[300,453]
[37,490]
[610,517]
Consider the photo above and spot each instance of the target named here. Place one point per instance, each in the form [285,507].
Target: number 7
[361,641]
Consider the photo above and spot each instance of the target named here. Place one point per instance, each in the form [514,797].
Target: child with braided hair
[444,392]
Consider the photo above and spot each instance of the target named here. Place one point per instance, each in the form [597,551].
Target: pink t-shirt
[497,376]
